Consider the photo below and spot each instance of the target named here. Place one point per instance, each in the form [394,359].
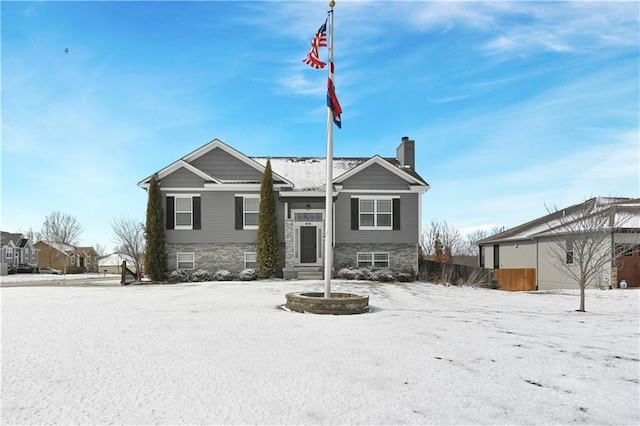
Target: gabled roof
[214,144]
[8,238]
[613,207]
[391,165]
[300,173]
[65,249]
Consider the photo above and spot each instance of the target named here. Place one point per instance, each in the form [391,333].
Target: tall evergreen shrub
[267,249]
[155,259]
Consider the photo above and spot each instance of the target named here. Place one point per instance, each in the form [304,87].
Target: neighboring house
[66,257]
[112,264]
[211,199]
[528,245]
[17,250]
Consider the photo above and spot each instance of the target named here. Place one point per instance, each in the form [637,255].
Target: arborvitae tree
[267,253]
[155,259]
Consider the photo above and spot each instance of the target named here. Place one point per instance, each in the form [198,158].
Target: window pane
[250,260]
[183,219]
[381,256]
[384,220]
[186,261]
[366,220]
[384,206]
[366,206]
[251,204]
[183,204]
[365,256]
[251,219]
[308,217]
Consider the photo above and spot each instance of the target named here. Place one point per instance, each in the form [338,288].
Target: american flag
[319,40]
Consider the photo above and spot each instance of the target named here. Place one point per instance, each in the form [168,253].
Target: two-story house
[211,198]
[16,249]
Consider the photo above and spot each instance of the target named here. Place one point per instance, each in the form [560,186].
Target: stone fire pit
[337,304]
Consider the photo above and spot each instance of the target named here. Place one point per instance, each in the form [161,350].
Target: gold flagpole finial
[332,3]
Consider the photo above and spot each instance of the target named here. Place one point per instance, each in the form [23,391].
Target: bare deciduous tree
[581,240]
[470,243]
[60,227]
[447,235]
[130,238]
[101,250]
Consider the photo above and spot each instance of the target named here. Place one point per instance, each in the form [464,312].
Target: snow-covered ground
[94,278]
[227,353]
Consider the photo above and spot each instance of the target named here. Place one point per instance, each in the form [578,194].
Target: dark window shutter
[396,214]
[239,212]
[170,213]
[196,213]
[355,214]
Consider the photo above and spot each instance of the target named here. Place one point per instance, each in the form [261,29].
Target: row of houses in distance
[16,249]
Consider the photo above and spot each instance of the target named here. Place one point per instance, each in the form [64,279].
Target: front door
[307,244]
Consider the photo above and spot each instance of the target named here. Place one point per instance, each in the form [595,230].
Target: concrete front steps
[303,273]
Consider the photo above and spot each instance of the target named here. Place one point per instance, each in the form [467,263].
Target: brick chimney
[406,153]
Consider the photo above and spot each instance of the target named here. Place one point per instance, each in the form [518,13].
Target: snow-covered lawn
[75,278]
[227,353]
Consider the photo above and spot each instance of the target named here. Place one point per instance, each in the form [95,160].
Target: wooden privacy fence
[516,279]
[456,274]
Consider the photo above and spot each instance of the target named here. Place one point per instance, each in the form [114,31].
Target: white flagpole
[328,226]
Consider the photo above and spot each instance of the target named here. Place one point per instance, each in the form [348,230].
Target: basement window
[186,261]
[370,259]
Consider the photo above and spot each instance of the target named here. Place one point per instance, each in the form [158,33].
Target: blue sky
[513,105]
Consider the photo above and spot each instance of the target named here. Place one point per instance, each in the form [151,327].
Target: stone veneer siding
[213,257]
[289,240]
[402,257]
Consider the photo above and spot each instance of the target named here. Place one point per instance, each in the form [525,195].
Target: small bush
[406,277]
[248,275]
[179,276]
[345,274]
[383,275]
[223,275]
[201,275]
[363,274]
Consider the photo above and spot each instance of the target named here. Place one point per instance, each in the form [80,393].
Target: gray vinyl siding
[300,203]
[375,177]
[221,165]
[182,178]
[408,232]
[218,222]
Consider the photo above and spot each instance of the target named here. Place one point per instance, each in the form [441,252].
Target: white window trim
[373,258]
[375,227]
[9,253]
[175,210]
[193,256]
[244,211]
[246,253]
